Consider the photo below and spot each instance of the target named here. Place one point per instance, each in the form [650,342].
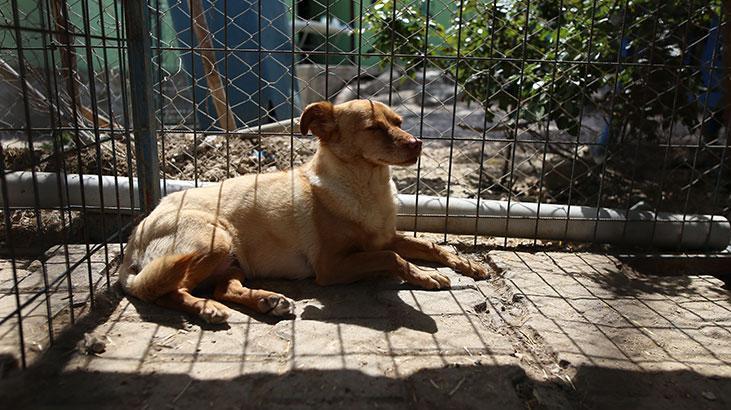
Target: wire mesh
[64,112]
[495,117]
[585,103]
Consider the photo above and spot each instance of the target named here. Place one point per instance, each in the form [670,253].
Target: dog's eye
[398,123]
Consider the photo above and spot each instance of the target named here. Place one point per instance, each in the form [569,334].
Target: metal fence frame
[136,41]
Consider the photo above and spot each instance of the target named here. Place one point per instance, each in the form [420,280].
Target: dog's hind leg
[233,291]
[168,280]
[198,269]
[207,309]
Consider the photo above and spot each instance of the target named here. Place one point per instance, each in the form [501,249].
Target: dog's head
[361,129]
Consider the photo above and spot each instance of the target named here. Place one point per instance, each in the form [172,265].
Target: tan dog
[333,218]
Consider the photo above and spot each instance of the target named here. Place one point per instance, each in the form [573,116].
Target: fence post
[139,55]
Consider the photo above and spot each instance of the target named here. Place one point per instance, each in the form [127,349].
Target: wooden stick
[36,97]
[69,71]
[215,85]
[8,73]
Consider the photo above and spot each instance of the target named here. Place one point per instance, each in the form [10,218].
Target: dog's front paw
[429,279]
[214,312]
[470,268]
[277,305]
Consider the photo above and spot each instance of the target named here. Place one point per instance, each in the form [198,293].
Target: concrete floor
[557,330]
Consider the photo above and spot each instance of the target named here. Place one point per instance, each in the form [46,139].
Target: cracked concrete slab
[555,330]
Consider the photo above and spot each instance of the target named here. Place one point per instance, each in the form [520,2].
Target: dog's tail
[128,271]
[155,279]
[127,275]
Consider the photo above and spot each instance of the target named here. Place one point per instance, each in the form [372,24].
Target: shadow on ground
[345,304]
[335,304]
[503,387]
[48,385]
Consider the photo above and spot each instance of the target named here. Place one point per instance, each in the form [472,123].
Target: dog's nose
[414,144]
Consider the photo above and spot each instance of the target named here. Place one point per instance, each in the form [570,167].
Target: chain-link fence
[580,104]
[583,103]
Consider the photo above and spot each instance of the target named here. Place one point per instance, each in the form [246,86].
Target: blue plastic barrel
[242,34]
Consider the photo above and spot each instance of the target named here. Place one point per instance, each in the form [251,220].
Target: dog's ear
[319,118]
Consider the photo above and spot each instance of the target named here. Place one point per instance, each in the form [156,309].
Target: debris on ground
[708,395]
[8,363]
[481,307]
[92,344]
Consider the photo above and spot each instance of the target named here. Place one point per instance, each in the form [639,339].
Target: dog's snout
[414,144]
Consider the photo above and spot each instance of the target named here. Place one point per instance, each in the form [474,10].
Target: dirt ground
[555,330]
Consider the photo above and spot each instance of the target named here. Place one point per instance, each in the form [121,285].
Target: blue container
[242,34]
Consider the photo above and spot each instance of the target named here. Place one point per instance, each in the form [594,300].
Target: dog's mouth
[408,162]
[411,159]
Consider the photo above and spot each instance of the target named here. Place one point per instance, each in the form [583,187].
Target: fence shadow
[450,386]
[353,304]
[374,304]
[503,387]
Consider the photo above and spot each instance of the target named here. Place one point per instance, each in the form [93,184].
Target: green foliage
[556,58]
[404,34]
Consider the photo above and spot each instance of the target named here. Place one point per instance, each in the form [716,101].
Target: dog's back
[268,216]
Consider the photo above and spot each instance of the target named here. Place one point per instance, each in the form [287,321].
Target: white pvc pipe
[520,220]
[316,27]
[279,127]
[561,222]
[21,195]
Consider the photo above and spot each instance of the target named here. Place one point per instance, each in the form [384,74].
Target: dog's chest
[375,217]
[378,224]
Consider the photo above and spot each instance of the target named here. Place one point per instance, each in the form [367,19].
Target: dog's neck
[362,188]
[359,176]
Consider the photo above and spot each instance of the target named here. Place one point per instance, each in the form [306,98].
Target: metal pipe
[700,232]
[143,106]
